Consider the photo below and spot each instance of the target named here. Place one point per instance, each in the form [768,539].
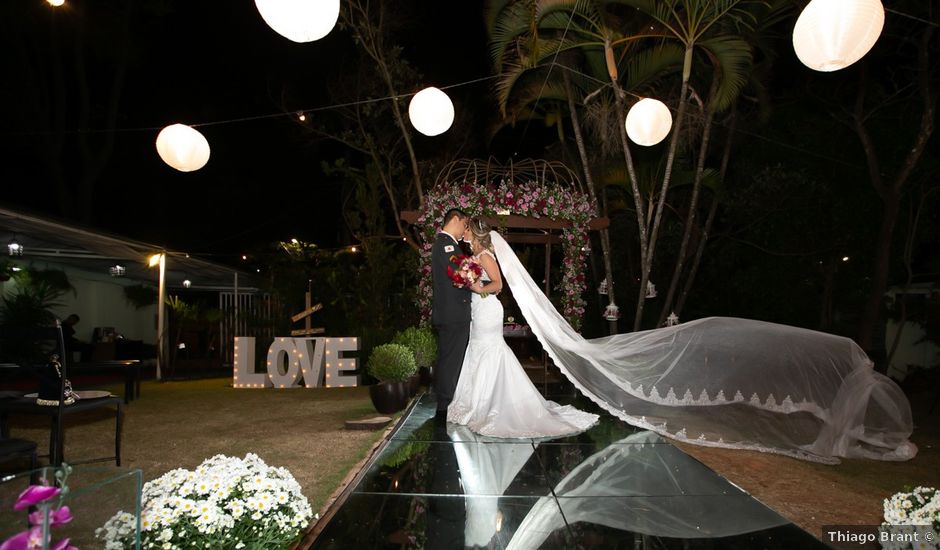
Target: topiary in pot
[423,344]
[392,365]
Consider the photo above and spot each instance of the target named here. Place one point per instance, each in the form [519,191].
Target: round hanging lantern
[832,34]
[648,122]
[431,112]
[183,147]
[300,20]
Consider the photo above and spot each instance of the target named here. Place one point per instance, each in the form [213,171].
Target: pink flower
[63,545]
[35,494]
[27,540]
[57,517]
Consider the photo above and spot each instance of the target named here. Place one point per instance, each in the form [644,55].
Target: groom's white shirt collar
[451,236]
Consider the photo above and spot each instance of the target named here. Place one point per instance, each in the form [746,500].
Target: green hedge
[392,363]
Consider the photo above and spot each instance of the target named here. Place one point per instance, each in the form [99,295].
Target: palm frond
[650,64]
[731,56]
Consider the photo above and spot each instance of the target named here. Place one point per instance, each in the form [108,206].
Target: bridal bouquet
[226,502]
[908,518]
[468,271]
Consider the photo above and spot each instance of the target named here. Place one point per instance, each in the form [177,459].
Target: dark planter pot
[389,397]
[414,384]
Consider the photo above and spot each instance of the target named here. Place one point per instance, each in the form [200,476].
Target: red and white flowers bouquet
[468,271]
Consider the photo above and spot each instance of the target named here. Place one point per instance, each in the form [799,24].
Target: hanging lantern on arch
[183,147]
[832,34]
[648,122]
[300,20]
[431,111]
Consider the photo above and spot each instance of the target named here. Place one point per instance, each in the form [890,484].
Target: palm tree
[530,35]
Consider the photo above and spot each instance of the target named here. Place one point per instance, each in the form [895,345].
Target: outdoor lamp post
[160,260]
[431,111]
[300,20]
[832,34]
[648,122]
[183,147]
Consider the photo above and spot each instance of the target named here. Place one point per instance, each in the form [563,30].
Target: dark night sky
[198,62]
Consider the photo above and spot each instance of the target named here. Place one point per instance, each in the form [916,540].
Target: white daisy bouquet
[226,502]
[912,520]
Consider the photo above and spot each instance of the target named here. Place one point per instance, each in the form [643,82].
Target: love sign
[316,361]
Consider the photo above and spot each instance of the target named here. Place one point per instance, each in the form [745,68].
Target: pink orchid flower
[56,517]
[27,540]
[35,494]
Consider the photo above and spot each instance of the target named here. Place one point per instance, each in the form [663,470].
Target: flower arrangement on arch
[907,518]
[534,199]
[226,502]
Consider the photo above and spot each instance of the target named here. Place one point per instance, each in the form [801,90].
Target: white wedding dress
[494,395]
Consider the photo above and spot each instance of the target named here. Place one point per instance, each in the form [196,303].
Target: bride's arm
[492,269]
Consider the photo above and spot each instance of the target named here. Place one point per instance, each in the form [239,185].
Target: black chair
[55,392]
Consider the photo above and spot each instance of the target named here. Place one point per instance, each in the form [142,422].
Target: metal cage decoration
[535,195]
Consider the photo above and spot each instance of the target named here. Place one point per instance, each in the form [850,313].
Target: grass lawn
[179,424]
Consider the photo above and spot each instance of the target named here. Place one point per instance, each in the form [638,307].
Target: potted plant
[423,344]
[392,365]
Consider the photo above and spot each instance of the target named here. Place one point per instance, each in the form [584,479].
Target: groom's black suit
[450,315]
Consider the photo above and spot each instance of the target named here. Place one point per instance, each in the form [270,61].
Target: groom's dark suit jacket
[451,305]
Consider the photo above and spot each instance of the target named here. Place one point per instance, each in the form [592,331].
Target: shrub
[422,342]
[392,363]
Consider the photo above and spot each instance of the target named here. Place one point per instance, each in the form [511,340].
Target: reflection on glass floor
[438,485]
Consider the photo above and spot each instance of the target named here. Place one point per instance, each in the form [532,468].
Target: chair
[50,344]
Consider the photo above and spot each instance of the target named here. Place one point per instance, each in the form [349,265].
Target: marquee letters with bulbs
[316,361]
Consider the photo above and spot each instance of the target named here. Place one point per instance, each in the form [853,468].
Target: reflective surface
[437,485]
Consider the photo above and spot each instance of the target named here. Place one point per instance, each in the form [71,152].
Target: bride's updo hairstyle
[481,231]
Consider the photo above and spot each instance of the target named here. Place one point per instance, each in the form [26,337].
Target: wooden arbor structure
[533,202]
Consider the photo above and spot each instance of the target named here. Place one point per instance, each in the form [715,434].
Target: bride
[494,395]
[719,382]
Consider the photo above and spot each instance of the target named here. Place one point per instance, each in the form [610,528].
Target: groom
[450,313]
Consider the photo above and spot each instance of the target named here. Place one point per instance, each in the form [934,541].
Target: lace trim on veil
[834,423]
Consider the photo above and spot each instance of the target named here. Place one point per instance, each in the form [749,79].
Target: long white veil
[725,382]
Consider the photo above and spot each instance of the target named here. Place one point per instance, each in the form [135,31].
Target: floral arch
[528,195]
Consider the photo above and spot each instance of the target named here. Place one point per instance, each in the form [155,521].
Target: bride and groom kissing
[716,381]
[478,381]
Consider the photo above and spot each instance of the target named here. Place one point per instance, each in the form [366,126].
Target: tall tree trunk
[582,152]
[371,40]
[890,193]
[664,188]
[723,171]
[693,204]
[638,201]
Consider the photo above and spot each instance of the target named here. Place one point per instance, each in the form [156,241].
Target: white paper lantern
[832,34]
[648,122]
[300,20]
[431,112]
[183,147]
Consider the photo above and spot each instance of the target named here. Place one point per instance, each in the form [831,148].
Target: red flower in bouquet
[467,273]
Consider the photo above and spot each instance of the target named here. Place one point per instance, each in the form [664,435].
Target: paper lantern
[183,147]
[648,122]
[832,34]
[300,20]
[431,112]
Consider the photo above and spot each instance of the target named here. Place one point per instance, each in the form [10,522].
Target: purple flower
[35,494]
[63,545]
[27,540]
[57,517]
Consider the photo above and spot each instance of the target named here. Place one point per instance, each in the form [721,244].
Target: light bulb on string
[431,112]
[300,20]
[648,122]
[183,147]
[832,34]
